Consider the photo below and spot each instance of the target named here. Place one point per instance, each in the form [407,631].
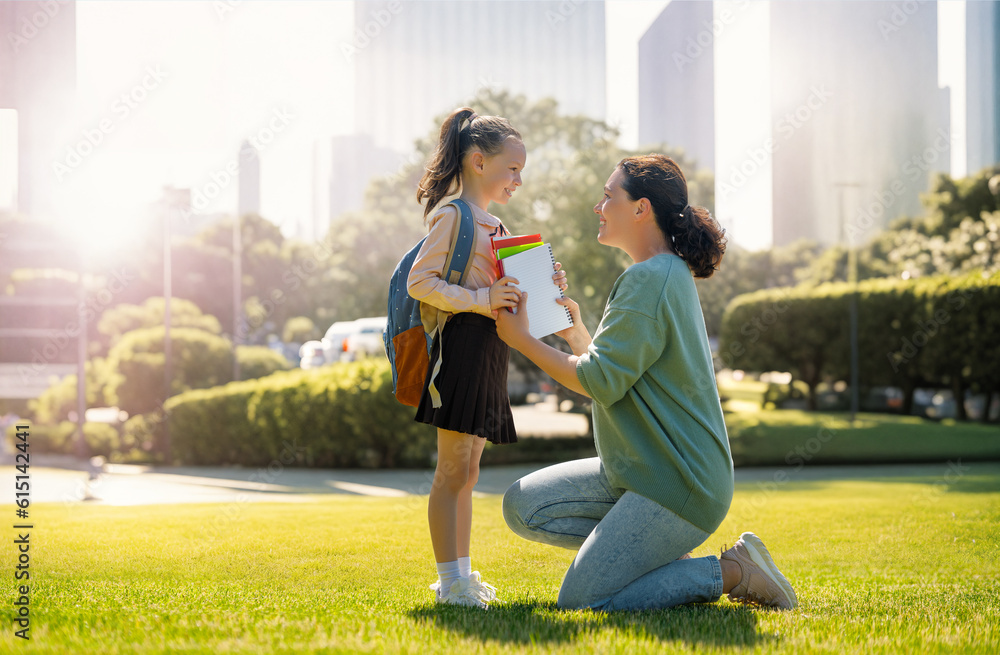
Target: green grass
[880,565]
[788,437]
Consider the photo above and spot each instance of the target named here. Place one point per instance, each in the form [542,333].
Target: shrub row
[342,415]
[101,438]
[929,332]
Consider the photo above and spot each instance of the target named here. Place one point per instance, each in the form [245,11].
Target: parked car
[365,340]
[335,341]
[311,354]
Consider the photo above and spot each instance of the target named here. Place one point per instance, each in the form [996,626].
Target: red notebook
[509,241]
[516,240]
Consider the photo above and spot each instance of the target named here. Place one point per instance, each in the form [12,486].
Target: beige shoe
[761,582]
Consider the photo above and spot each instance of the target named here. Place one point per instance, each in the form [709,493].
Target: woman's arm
[513,330]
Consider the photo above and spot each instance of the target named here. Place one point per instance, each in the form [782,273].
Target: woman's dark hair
[461,132]
[696,237]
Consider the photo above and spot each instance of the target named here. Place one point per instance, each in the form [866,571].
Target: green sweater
[658,422]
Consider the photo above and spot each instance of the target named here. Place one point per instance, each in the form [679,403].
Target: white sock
[465,566]
[447,574]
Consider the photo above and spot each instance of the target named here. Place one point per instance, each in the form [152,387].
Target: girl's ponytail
[694,235]
[460,132]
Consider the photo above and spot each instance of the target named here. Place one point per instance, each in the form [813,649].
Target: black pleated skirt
[472,380]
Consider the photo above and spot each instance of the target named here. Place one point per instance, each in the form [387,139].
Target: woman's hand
[503,293]
[574,312]
[513,328]
[577,335]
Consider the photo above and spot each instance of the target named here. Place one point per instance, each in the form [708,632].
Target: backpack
[407,344]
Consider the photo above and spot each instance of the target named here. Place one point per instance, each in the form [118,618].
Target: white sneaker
[461,593]
[484,590]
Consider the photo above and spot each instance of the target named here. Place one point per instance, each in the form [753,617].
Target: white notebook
[534,270]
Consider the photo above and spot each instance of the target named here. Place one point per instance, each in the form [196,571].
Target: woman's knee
[572,598]
[513,510]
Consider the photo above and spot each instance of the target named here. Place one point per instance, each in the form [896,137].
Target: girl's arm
[424,282]
[513,330]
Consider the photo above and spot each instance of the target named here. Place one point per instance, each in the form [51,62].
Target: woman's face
[617,212]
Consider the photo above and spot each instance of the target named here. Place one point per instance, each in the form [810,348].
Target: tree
[127,317]
[299,329]
[569,159]
[59,400]
[198,359]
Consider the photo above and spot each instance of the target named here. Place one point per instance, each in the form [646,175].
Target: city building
[38,81]
[677,81]
[982,79]
[343,167]
[417,60]
[859,123]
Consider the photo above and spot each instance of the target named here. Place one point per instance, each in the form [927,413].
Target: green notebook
[503,253]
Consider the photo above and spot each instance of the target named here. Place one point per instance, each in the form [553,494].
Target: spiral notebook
[534,269]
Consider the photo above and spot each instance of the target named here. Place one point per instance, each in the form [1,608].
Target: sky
[212,73]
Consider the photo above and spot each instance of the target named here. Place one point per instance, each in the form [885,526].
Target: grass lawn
[884,564]
[789,437]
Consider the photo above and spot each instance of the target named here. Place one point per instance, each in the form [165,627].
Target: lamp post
[237,291]
[852,280]
[173,200]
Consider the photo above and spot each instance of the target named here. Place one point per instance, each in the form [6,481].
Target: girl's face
[617,212]
[502,171]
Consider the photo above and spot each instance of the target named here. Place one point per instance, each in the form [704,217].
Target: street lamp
[174,200]
[852,279]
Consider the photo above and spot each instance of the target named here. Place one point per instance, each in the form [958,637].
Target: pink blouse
[425,283]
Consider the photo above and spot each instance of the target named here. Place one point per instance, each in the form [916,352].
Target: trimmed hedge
[929,332]
[101,438]
[342,415]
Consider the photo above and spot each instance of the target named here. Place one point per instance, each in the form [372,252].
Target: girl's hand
[503,293]
[559,279]
[513,328]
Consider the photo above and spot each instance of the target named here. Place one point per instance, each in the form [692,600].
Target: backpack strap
[456,270]
[463,244]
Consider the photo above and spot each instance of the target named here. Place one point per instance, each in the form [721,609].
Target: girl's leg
[450,478]
[464,526]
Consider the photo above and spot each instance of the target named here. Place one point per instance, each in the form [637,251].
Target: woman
[663,478]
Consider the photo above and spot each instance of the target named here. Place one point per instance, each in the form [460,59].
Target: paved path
[56,479]
[64,480]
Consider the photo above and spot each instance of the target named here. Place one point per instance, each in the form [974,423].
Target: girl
[465,393]
[663,478]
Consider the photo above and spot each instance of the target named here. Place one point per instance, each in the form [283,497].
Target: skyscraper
[854,101]
[38,80]
[677,80]
[982,85]
[249,180]
[416,60]
[343,166]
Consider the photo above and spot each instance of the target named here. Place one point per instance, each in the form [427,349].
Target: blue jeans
[628,545]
